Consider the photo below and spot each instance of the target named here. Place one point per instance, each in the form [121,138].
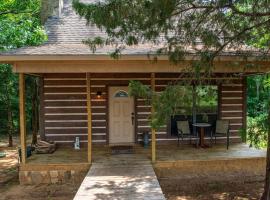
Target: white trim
[65,113]
[63,93]
[60,107]
[148,126]
[143,113]
[144,106]
[68,121]
[70,107]
[98,106]
[228,104]
[99,120]
[64,121]
[74,113]
[236,124]
[158,133]
[76,134]
[143,120]
[57,128]
[231,117]
[61,79]
[83,141]
[97,100]
[64,100]
[97,86]
[98,113]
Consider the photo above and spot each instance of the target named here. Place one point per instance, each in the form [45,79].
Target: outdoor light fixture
[99,93]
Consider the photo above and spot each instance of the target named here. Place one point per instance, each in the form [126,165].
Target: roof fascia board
[14,58]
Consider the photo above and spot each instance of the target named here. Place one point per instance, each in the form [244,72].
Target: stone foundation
[50,177]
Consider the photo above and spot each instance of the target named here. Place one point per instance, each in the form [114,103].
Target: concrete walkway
[121,177]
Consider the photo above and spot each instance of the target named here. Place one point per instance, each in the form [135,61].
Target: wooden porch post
[153,131]
[22,117]
[89,118]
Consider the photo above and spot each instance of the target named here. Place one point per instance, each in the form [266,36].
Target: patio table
[202,127]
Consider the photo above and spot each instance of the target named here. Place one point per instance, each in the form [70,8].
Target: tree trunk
[10,127]
[266,193]
[10,119]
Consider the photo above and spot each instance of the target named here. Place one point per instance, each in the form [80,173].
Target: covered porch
[79,105]
[165,153]
[65,164]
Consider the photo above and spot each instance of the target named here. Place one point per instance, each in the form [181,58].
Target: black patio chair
[183,131]
[222,130]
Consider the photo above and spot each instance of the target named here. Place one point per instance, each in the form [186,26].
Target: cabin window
[206,105]
[121,94]
[206,100]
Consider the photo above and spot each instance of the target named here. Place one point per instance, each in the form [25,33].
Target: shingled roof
[66,33]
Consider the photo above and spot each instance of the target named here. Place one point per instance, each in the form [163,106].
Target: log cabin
[85,94]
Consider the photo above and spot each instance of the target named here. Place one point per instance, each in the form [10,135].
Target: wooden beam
[22,117]
[128,66]
[89,117]
[153,131]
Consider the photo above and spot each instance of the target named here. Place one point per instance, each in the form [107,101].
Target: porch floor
[164,153]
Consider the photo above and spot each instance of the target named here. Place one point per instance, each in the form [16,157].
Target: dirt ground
[195,188]
[173,190]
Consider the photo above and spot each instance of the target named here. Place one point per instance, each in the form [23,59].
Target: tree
[184,27]
[180,27]
[19,26]
[9,103]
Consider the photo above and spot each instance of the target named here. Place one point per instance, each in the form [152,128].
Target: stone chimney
[50,8]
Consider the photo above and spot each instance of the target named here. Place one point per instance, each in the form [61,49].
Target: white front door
[121,116]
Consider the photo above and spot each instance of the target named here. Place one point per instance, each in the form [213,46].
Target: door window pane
[121,94]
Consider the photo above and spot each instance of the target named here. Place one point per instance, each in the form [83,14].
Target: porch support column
[153,131]
[22,117]
[89,118]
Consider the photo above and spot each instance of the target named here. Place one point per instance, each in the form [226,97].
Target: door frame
[109,118]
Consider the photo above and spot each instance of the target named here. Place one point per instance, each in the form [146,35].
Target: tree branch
[230,6]
[249,14]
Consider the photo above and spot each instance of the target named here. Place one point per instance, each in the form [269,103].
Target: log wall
[65,113]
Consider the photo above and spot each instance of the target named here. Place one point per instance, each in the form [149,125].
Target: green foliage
[19,26]
[257,131]
[174,100]
[8,97]
[180,27]
[257,106]
[206,99]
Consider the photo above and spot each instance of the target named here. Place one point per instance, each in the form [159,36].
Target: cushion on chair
[183,126]
[222,126]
